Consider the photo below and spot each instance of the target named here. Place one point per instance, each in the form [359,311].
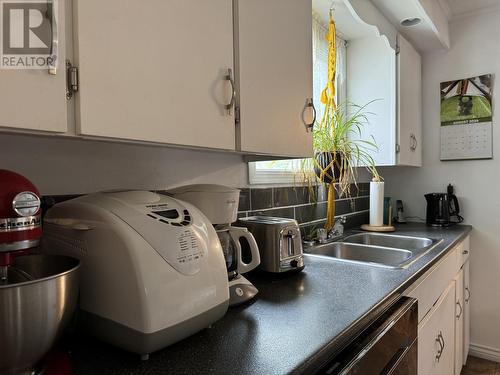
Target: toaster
[279,242]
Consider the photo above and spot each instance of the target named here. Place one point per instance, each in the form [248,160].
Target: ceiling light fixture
[407,22]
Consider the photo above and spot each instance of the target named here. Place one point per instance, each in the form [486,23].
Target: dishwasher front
[388,346]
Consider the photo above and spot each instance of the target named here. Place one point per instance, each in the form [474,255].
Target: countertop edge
[314,363]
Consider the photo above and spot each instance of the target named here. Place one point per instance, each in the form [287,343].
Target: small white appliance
[220,204]
[153,270]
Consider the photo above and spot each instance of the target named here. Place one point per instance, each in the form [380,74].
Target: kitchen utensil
[230,239]
[400,218]
[37,293]
[377,228]
[36,304]
[220,205]
[442,208]
[279,242]
[20,225]
[377,209]
[387,207]
[153,271]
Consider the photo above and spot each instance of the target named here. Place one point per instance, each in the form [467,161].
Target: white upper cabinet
[274,63]
[155,71]
[33,99]
[383,69]
[409,123]
[220,74]
[371,81]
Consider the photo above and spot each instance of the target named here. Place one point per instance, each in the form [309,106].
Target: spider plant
[339,151]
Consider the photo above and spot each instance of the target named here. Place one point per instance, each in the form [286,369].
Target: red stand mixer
[20,219]
[38,292]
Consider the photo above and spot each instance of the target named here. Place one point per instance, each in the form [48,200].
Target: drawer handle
[461,310]
[468,294]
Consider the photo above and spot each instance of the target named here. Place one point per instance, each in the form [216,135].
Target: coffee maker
[220,205]
[443,209]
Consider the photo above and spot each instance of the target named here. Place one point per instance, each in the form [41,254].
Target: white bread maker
[153,270]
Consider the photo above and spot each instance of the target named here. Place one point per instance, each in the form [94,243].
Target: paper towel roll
[376,204]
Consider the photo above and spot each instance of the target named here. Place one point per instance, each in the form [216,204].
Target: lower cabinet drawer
[428,289]
[436,336]
[464,251]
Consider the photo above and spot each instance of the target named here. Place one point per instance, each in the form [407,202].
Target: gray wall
[70,166]
[475,50]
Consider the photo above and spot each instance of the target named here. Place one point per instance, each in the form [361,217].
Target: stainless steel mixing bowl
[33,313]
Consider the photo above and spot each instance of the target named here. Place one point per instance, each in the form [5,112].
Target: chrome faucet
[336,232]
[338,227]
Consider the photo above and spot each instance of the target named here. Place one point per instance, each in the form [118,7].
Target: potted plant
[339,151]
[337,139]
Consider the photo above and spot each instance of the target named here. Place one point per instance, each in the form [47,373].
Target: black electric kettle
[443,209]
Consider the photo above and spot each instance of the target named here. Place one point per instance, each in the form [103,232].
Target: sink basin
[376,255]
[391,240]
[377,249]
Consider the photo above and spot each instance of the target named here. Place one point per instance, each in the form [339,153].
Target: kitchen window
[286,171]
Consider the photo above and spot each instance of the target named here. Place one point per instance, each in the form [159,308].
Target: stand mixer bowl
[37,301]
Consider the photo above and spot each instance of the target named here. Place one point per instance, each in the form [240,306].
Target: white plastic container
[219,203]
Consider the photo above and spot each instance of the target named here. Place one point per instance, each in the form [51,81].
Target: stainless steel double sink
[382,250]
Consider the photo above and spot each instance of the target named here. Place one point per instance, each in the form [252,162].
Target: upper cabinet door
[274,54]
[155,70]
[409,104]
[33,99]
[371,82]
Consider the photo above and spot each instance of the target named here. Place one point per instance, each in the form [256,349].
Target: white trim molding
[476,12]
[446,8]
[484,352]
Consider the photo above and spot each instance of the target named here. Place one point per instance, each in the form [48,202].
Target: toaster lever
[289,240]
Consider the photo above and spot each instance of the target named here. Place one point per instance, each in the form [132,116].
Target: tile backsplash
[306,206]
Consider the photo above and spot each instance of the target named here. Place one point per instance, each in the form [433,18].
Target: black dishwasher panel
[388,346]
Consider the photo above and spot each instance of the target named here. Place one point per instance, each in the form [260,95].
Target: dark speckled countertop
[295,325]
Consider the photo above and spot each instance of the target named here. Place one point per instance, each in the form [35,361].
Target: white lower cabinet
[436,336]
[466,312]
[443,295]
[459,321]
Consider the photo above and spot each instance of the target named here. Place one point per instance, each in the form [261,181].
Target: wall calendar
[466,118]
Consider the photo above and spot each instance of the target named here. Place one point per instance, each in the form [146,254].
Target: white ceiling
[462,7]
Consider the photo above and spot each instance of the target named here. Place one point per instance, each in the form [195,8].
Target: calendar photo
[467,118]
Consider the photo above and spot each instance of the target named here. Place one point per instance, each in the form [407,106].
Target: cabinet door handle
[441,346]
[54,45]
[461,310]
[229,77]
[413,142]
[468,294]
[465,252]
[309,104]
